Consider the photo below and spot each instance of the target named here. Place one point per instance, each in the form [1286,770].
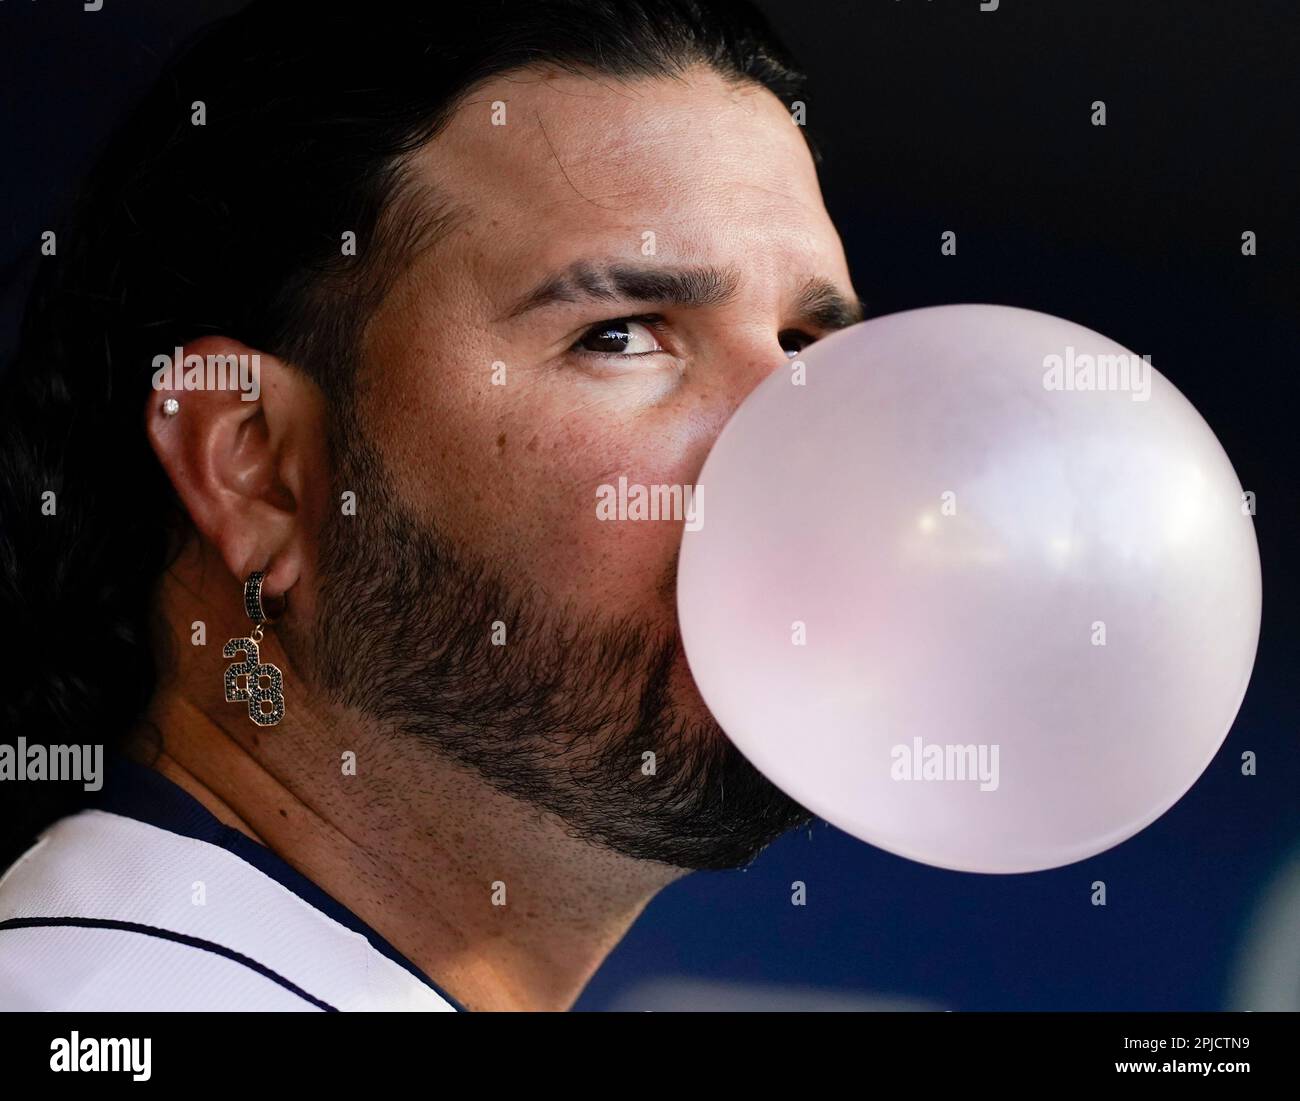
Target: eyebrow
[819,300]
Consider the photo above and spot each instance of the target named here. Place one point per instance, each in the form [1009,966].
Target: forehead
[542,166]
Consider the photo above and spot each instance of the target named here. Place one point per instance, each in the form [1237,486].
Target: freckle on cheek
[501,441]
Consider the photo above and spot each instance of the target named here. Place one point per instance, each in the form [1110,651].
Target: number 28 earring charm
[252,671]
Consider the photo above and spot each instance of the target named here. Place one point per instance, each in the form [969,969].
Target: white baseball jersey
[149,902]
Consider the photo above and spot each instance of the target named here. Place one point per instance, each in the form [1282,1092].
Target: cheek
[580,527]
[511,474]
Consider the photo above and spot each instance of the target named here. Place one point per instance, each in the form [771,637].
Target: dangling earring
[252,668]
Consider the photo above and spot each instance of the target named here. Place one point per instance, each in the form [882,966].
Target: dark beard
[560,716]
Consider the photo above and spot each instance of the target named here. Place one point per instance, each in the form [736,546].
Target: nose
[745,360]
[734,367]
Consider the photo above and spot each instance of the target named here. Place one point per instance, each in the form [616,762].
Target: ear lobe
[240,447]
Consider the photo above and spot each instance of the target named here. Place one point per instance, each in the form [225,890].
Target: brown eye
[794,341]
[619,337]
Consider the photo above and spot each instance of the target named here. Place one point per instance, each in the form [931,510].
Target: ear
[242,450]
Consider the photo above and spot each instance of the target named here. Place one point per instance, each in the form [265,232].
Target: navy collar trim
[133,790]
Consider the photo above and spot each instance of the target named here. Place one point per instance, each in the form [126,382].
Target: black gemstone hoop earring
[252,670]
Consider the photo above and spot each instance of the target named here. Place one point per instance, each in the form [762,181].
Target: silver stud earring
[171,407]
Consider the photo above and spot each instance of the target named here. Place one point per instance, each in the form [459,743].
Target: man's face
[627,262]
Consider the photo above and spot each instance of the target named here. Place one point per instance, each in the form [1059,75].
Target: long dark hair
[233,227]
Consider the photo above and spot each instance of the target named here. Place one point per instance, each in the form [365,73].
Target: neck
[487,895]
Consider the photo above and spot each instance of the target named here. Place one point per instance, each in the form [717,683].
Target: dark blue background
[935,116]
